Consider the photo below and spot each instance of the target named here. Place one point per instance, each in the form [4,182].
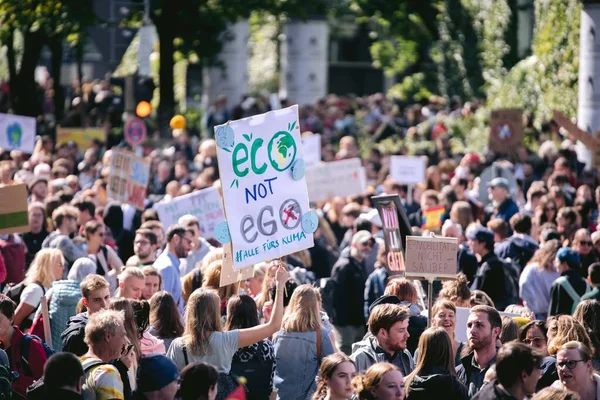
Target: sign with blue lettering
[264,200]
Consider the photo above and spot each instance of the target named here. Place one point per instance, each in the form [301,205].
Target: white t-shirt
[221,348]
[32,295]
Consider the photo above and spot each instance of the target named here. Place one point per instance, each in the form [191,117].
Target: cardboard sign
[395,229]
[312,149]
[506,130]
[592,142]
[431,257]
[408,170]
[82,136]
[17,133]
[336,178]
[204,204]
[128,178]
[135,132]
[228,274]
[13,209]
[432,217]
[264,190]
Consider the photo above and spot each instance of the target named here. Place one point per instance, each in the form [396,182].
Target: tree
[40,22]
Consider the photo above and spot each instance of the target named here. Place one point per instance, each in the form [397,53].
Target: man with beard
[144,247]
[179,244]
[386,341]
[483,328]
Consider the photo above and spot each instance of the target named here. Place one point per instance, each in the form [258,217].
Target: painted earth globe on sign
[282,150]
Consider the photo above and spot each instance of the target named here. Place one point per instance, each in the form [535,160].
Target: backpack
[327,287]
[257,372]
[24,348]
[14,259]
[15,292]
[511,285]
[566,285]
[6,379]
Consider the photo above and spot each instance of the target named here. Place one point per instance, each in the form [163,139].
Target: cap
[568,255]
[499,182]
[155,372]
[361,237]
[373,217]
[386,299]
[36,180]
[481,234]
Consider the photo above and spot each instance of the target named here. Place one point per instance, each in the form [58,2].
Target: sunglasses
[586,243]
[570,364]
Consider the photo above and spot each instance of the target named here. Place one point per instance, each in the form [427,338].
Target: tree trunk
[56,49]
[27,100]
[12,71]
[166,35]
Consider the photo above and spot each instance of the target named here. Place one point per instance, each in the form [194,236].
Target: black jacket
[436,385]
[490,279]
[467,262]
[560,301]
[73,336]
[491,391]
[471,375]
[349,277]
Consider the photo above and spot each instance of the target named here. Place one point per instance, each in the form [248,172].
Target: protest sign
[228,274]
[506,130]
[336,178]
[264,191]
[312,148]
[395,229]
[82,136]
[17,133]
[204,205]
[128,178]
[13,209]
[408,170]
[432,217]
[431,257]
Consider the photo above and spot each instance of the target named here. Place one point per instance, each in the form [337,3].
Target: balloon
[143,109]
[178,122]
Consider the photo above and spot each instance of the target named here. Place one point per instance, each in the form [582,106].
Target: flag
[237,394]
[432,217]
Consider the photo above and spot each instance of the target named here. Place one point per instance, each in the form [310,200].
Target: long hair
[133,333]
[545,255]
[241,313]
[327,369]
[363,384]
[302,314]
[587,314]
[164,315]
[435,350]
[141,310]
[202,318]
[565,329]
[42,267]
[212,280]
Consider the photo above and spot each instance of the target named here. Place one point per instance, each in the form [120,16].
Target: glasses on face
[586,243]
[187,240]
[536,341]
[570,364]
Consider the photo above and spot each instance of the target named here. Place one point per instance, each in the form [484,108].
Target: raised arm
[257,333]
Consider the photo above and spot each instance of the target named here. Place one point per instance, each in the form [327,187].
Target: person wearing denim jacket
[297,352]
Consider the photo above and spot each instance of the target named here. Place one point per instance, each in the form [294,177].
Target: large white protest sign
[407,170]
[264,193]
[336,178]
[312,149]
[204,205]
[17,133]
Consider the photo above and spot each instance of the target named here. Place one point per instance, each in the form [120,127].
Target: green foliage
[413,88]
[547,80]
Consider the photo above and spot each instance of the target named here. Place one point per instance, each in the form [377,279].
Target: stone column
[304,60]
[230,80]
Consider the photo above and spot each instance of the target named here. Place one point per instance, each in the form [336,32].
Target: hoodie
[436,384]
[492,391]
[367,352]
[73,336]
[64,296]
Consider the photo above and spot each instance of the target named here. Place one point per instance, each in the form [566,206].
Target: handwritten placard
[264,190]
[204,204]
[431,257]
[230,275]
[13,209]
[128,178]
[336,178]
[408,170]
[17,133]
[82,136]
[506,130]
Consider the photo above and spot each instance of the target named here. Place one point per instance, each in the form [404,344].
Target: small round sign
[298,169]
[225,137]
[135,132]
[222,232]
[310,222]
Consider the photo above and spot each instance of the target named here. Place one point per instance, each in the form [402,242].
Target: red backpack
[13,253]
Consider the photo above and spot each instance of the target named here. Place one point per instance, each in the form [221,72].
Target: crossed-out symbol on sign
[289,214]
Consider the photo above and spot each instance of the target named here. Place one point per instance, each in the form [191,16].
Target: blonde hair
[91,283]
[363,384]
[131,272]
[565,329]
[202,318]
[302,314]
[100,322]
[42,267]
[212,256]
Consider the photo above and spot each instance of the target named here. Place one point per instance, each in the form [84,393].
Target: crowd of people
[136,309]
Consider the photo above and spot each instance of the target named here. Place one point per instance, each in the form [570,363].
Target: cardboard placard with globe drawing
[506,130]
[264,191]
[17,133]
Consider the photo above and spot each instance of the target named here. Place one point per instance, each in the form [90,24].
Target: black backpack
[15,292]
[511,285]
[257,373]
